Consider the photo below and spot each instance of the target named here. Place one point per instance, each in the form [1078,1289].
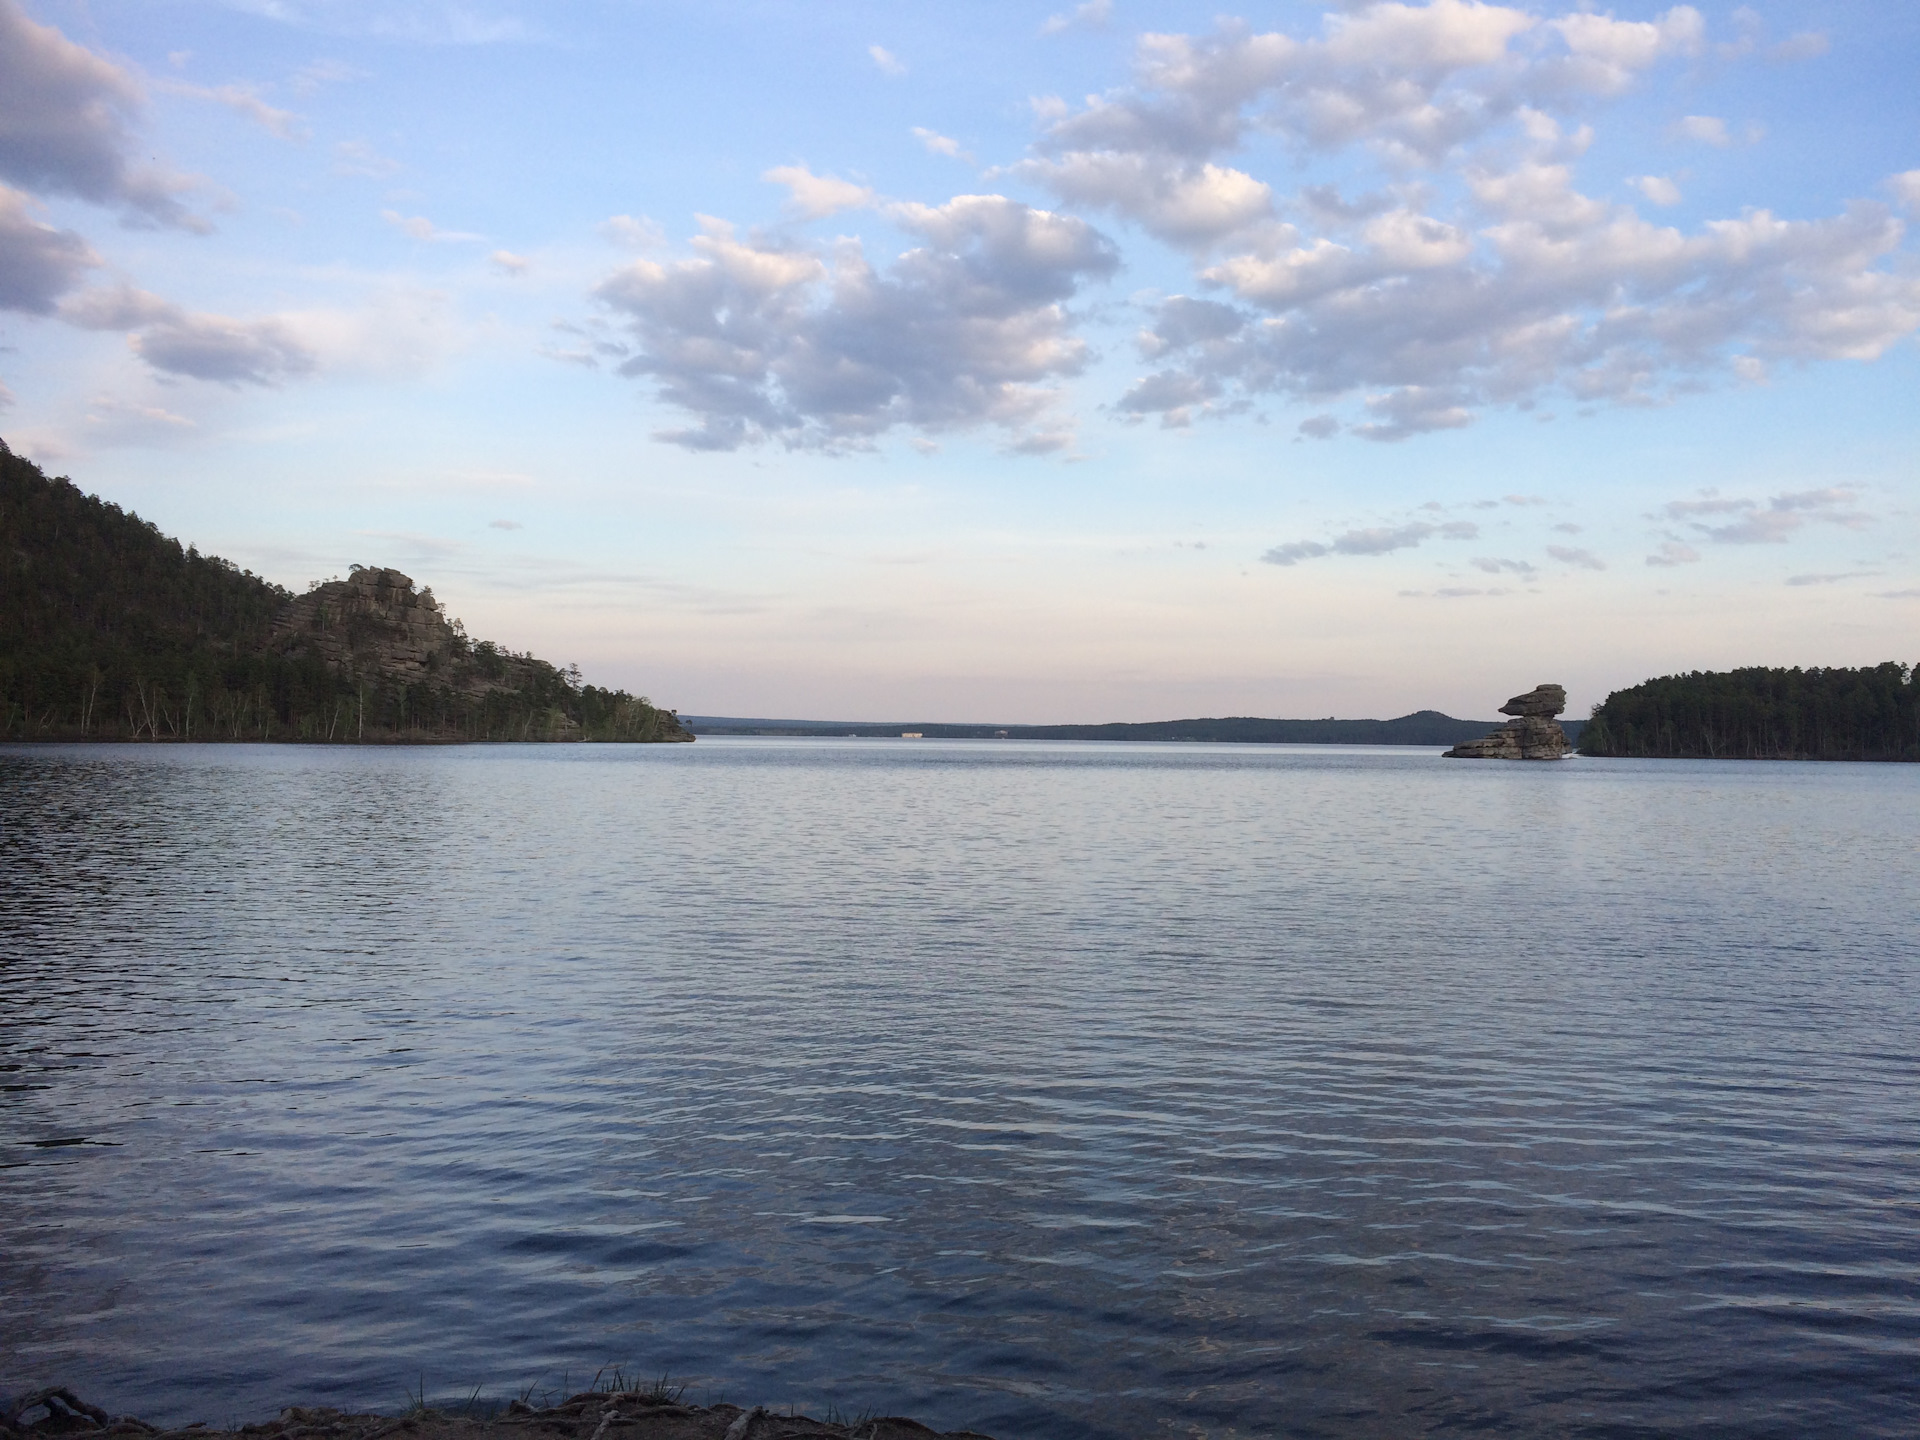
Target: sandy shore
[653,1414]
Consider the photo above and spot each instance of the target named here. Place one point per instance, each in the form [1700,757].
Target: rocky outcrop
[1531,735]
[378,631]
[373,623]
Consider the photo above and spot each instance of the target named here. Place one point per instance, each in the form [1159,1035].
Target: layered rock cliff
[1531,735]
[374,624]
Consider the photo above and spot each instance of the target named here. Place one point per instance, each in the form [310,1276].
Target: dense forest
[1760,714]
[111,630]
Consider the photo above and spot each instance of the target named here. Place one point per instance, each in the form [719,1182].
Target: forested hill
[111,630]
[1761,714]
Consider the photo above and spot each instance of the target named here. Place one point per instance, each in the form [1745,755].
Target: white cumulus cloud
[760,340]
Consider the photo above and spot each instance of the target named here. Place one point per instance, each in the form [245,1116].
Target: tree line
[1764,714]
[111,630]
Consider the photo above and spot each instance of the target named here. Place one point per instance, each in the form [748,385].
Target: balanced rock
[1530,735]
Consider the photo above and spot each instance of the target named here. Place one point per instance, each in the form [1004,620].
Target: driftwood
[592,1415]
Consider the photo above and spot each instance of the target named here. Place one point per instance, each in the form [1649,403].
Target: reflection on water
[1052,1090]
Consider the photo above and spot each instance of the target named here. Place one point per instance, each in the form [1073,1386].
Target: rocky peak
[374,623]
[1531,735]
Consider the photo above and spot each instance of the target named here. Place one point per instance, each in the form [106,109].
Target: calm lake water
[1051,1090]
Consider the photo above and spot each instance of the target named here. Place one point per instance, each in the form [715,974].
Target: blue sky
[1002,361]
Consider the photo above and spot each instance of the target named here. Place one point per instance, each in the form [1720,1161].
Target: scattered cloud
[1897,594]
[65,117]
[505,525]
[244,103]
[509,263]
[1567,527]
[1807,45]
[1495,566]
[1424,310]
[38,264]
[1798,580]
[939,144]
[1378,540]
[1702,130]
[1452,592]
[633,232]
[418,227]
[318,74]
[1905,188]
[1093,15]
[766,340]
[1672,553]
[357,157]
[394,332]
[1320,427]
[1748,522]
[814,196]
[112,421]
[885,60]
[1569,555]
[1658,189]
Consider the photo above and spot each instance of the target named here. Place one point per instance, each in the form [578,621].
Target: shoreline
[657,1412]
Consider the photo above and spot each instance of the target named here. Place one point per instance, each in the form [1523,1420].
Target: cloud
[1425,303]
[1750,523]
[1799,580]
[393,332]
[1093,15]
[814,196]
[1672,553]
[357,157]
[1807,45]
[505,525]
[229,352]
[761,340]
[1495,566]
[1905,188]
[1551,291]
[246,104]
[1703,130]
[418,227]
[1659,189]
[318,74]
[1184,205]
[509,263]
[38,263]
[1569,555]
[938,144]
[633,233]
[1379,540]
[114,421]
[1320,427]
[885,60]
[64,118]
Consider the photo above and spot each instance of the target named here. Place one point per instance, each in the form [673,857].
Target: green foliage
[111,630]
[1762,714]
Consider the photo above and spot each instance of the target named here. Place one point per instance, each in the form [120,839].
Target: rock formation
[1531,735]
[374,623]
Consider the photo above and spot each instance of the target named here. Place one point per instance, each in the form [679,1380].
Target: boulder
[1530,735]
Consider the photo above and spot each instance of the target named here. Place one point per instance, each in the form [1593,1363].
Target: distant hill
[111,630]
[1763,714]
[1423,727]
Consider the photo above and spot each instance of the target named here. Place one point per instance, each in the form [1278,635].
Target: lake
[1050,1090]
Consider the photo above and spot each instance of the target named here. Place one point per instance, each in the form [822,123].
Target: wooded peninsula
[110,630]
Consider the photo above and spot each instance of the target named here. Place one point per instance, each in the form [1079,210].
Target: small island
[1531,735]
